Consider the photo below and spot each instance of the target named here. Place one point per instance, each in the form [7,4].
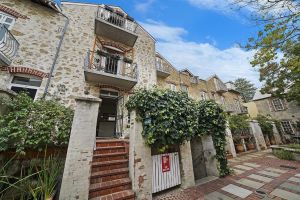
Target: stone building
[287,113]
[91,58]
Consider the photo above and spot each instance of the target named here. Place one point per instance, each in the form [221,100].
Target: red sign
[165,163]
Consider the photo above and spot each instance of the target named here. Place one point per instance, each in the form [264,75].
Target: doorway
[198,158]
[107,116]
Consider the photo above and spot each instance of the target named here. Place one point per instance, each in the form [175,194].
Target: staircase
[110,174]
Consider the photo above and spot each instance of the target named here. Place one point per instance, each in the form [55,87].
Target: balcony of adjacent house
[162,70]
[220,87]
[115,25]
[194,80]
[107,68]
[8,46]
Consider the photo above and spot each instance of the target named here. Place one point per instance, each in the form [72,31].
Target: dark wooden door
[198,158]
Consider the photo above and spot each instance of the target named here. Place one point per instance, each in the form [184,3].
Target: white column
[186,162]
[230,144]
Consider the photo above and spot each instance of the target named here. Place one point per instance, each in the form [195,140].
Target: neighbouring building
[286,113]
[91,57]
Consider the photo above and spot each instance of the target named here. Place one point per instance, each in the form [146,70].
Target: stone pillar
[187,172]
[76,176]
[276,134]
[230,144]
[209,155]
[258,135]
[140,161]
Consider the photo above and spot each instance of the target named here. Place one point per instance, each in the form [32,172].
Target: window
[7,20]
[222,100]
[287,127]
[203,96]
[278,105]
[158,62]
[26,83]
[172,86]
[184,88]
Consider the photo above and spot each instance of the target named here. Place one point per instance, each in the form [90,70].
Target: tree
[245,87]
[277,46]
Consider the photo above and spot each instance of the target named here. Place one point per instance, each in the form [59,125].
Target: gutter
[56,56]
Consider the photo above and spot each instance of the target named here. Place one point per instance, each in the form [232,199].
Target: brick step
[111,142]
[123,195]
[109,175]
[109,165]
[109,187]
[110,156]
[109,149]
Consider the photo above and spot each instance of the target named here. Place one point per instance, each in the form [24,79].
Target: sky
[201,35]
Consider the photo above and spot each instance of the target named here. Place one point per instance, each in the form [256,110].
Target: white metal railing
[111,64]
[8,44]
[116,18]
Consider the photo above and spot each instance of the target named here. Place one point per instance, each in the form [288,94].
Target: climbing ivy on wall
[32,124]
[170,117]
[265,124]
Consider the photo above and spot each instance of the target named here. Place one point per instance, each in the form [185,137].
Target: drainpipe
[56,56]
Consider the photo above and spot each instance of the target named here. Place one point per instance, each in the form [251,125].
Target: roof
[188,71]
[258,95]
[54,4]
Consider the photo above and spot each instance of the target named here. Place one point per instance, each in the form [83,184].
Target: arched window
[27,83]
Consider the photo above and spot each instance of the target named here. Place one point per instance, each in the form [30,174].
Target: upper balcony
[220,86]
[8,46]
[194,80]
[109,69]
[162,70]
[116,26]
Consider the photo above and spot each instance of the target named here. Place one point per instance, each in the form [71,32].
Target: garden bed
[288,152]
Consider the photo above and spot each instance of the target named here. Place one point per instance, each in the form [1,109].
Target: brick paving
[278,179]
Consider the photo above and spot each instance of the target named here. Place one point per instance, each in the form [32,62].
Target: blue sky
[201,35]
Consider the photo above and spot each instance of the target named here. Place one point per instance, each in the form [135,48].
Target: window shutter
[271,106]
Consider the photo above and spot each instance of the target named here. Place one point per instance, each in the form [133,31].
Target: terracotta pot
[273,142]
[250,146]
[239,148]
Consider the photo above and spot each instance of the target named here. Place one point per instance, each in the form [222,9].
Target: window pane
[9,20]
[30,92]
[27,81]
[287,127]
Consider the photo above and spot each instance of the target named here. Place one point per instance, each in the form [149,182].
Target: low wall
[295,153]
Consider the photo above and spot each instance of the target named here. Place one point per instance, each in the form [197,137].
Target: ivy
[265,125]
[238,124]
[170,118]
[212,121]
[32,124]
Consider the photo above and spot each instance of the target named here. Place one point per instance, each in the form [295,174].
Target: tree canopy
[245,87]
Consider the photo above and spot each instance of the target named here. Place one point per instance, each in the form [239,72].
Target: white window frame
[187,89]
[172,86]
[223,100]
[203,95]
[290,124]
[4,17]
[24,86]
[275,106]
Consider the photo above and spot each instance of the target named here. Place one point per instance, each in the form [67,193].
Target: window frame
[203,95]
[25,86]
[290,124]
[172,86]
[281,104]
[7,16]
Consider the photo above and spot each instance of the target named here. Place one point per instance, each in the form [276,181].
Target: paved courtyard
[258,175]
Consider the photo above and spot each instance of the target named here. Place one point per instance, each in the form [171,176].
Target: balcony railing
[220,87]
[194,80]
[8,46]
[162,70]
[117,19]
[105,68]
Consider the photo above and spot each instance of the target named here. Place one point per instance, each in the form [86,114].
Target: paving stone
[251,165]
[298,175]
[243,167]
[290,186]
[237,171]
[217,196]
[250,183]
[268,173]
[260,178]
[276,170]
[285,194]
[294,179]
[237,191]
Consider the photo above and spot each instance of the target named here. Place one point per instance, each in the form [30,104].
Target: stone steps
[109,171]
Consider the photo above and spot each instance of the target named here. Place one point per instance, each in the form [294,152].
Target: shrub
[238,124]
[34,124]
[265,125]
[283,154]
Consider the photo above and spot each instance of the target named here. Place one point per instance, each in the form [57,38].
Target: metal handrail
[115,19]
[110,64]
[8,44]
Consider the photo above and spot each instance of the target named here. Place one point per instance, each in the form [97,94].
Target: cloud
[203,59]
[144,5]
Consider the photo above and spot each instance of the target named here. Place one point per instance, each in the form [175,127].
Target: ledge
[88,98]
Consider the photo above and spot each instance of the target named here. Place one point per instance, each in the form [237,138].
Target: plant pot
[250,146]
[239,148]
[272,141]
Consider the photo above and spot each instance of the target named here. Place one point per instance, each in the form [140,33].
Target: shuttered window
[278,105]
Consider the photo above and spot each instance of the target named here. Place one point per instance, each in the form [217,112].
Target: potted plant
[239,126]
[250,144]
[239,145]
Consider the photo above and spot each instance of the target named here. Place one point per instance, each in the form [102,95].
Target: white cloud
[144,5]
[203,59]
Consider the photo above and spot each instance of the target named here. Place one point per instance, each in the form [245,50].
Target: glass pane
[9,20]
[30,92]
[27,81]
